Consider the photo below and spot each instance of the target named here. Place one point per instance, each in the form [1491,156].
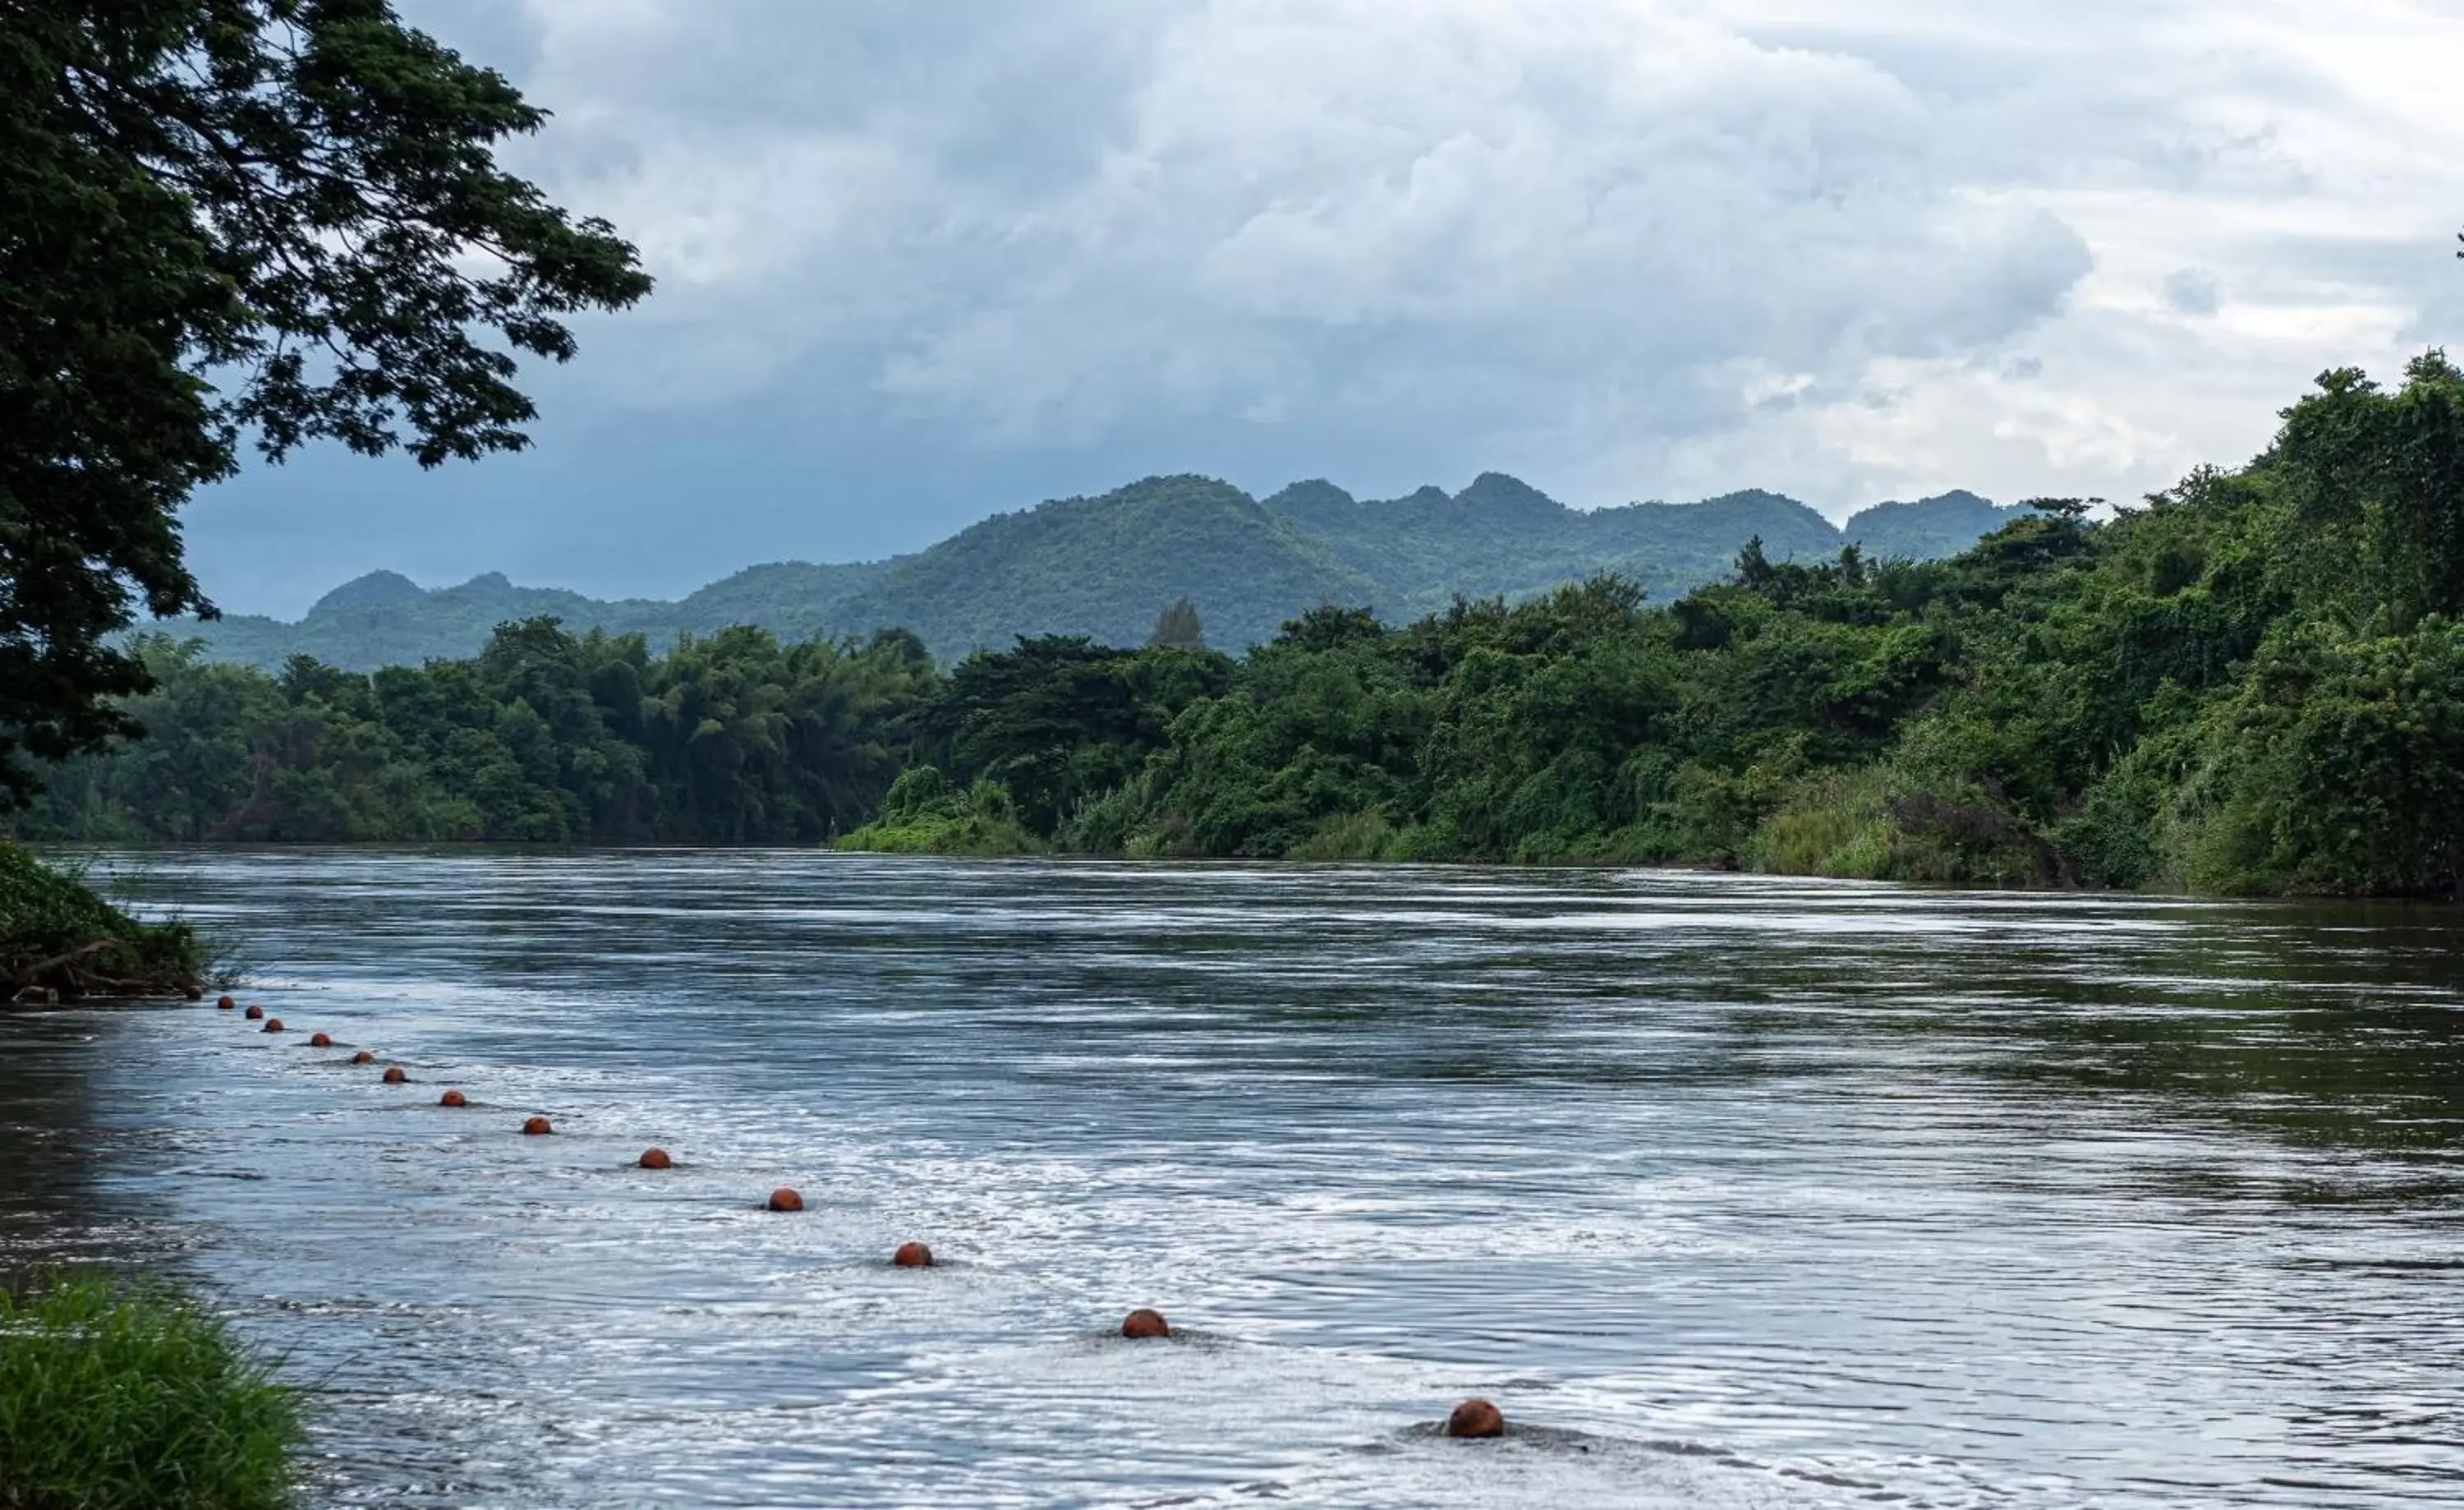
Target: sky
[923,263]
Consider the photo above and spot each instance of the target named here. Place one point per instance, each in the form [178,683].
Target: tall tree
[224,217]
[1177,628]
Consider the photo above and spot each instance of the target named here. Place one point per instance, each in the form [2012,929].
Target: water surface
[1735,1192]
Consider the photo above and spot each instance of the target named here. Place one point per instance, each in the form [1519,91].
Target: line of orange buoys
[1473,1419]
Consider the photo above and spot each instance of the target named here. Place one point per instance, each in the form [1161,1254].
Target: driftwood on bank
[65,977]
[33,974]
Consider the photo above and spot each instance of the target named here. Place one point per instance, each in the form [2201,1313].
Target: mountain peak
[378,589]
[1313,499]
[1930,527]
[1498,493]
[1106,565]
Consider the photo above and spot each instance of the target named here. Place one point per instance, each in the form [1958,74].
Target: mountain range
[1106,567]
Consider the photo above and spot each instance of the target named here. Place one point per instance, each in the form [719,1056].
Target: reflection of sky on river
[1751,1192]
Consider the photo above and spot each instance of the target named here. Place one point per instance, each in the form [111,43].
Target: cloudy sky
[922,260]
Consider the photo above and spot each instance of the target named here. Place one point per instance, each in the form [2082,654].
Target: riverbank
[2252,684]
[60,940]
[1846,827]
[113,1397]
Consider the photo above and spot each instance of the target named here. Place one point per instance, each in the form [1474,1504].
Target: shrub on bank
[117,1400]
[926,814]
[1873,824]
[59,934]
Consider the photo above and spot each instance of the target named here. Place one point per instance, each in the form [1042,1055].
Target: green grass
[968,834]
[1837,824]
[1349,836]
[115,1398]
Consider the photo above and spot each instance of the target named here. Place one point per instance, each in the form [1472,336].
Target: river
[1731,1191]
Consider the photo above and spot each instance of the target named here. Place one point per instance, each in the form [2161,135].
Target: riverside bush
[925,814]
[49,920]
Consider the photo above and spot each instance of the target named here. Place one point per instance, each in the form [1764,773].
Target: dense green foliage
[544,737]
[58,935]
[117,1400]
[1104,567]
[283,215]
[2255,681]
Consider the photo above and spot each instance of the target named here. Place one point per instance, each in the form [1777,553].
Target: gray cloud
[2192,291]
[1260,209]
[921,262]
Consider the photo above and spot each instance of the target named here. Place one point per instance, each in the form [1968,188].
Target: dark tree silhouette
[218,217]
[1178,628]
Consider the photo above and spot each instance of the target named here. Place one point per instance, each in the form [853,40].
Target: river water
[1730,1191]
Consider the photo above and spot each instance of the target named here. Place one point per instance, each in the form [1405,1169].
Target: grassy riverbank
[61,940]
[115,1399]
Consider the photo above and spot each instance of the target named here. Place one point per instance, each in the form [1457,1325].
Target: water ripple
[1731,1191]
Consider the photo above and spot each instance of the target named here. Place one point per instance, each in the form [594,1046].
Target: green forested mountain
[1104,567]
[1927,529]
[1499,536]
[2251,682]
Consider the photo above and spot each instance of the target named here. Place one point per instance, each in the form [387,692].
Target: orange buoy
[254,1013]
[274,1025]
[453,1099]
[320,1041]
[784,1199]
[395,1074]
[364,1057]
[912,1256]
[1476,1418]
[1143,1323]
[193,992]
[656,1159]
[537,1127]
[224,1003]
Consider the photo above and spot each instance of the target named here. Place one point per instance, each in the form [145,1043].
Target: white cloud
[1625,248]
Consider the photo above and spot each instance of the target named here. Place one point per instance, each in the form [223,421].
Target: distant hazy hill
[1104,567]
[1943,525]
[1500,535]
